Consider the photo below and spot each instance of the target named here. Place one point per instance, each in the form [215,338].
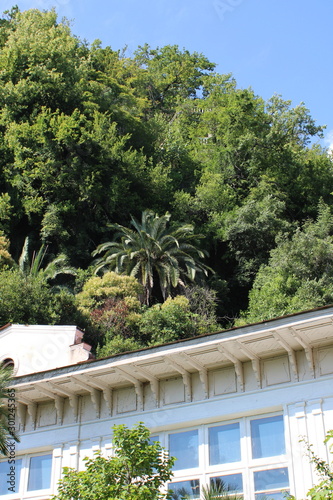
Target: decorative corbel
[290,352]
[185,375]
[95,394]
[72,397]
[31,408]
[58,401]
[154,382]
[203,373]
[254,360]
[138,385]
[59,404]
[307,349]
[107,391]
[108,398]
[22,413]
[237,363]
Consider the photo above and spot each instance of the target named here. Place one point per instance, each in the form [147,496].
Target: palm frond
[23,261]
[37,260]
[6,430]
[152,249]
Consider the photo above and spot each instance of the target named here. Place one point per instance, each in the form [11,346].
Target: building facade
[230,406]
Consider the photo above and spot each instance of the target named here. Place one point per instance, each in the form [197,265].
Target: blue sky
[273,46]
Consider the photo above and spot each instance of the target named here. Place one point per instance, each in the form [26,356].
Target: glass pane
[40,472]
[10,476]
[271,479]
[185,489]
[277,495]
[224,444]
[184,446]
[229,482]
[267,437]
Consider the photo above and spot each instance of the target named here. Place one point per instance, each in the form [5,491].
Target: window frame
[190,478]
[246,466]
[190,471]
[270,491]
[24,477]
[249,433]
[227,465]
[18,493]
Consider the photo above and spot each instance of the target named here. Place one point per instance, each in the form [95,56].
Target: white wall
[38,348]
[306,404]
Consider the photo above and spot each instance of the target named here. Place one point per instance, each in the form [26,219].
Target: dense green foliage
[299,274]
[120,323]
[152,251]
[92,141]
[136,471]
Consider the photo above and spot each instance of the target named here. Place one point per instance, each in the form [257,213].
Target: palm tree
[219,490]
[6,427]
[34,267]
[153,250]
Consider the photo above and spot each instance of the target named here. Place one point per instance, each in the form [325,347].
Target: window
[224,444]
[40,472]
[184,446]
[229,482]
[8,363]
[267,436]
[10,473]
[246,457]
[271,483]
[185,489]
[27,474]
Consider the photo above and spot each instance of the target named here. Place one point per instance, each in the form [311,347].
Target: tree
[5,257]
[251,230]
[7,410]
[299,274]
[90,136]
[111,304]
[171,73]
[57,266]
[173,320]
[137,471]
[220,489]
[153,250]
[30,300]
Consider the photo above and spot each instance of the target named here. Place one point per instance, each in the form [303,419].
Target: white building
[231,405]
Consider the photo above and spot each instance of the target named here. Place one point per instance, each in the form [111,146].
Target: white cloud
[328,141]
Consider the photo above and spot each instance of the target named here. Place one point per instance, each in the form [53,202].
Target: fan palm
[6,429]
[153,251]
[219,490]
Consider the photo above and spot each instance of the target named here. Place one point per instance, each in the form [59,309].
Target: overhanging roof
[252,343]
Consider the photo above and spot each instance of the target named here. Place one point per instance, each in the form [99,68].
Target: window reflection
[185,489]
[40,472]
[10,476]
[228,482]
[273,479]
[224,444]
[267,437]
[184,446]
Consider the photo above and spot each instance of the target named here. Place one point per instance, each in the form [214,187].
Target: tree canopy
[136,471]
[299,274]
[95,143]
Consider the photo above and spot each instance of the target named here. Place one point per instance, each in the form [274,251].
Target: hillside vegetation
[148,198]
